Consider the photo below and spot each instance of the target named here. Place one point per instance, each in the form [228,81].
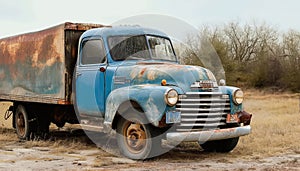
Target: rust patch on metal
[34,47]
[232,118]
[82,26]
[27,61]
[34,65]
[224,130]
[142,72]
[162,122]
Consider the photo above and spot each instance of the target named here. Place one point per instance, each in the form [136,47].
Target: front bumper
[203,136]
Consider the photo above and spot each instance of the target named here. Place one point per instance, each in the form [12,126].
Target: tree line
[252,55]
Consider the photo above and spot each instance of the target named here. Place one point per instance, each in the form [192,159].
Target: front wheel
[222,146]
[136,138]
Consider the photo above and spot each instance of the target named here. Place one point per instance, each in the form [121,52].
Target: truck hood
[140,73]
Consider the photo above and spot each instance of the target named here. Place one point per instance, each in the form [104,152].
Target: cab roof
[122,30]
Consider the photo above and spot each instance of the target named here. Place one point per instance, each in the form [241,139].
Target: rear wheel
[22,123]
[222,146]
[137,138]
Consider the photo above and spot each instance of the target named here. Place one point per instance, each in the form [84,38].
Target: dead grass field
[274,139]
[275,124]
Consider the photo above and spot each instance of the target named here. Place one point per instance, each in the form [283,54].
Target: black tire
[22,123]
[137,139]
[222,146]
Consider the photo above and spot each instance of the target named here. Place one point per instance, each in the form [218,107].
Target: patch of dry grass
[275,124]
[63,144]
[7,136]
[5,123]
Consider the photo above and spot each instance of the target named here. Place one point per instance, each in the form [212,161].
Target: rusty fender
[203,136]
[149,97]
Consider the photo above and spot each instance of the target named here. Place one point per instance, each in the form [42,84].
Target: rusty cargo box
[38,66]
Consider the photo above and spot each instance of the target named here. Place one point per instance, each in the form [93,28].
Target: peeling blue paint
[26,79]
[140,80]
[149,97]
[182,76]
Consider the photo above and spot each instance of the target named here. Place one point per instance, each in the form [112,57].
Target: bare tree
[251,54]
[246,42]
[291,59]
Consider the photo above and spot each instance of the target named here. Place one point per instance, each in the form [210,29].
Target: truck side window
[93,52]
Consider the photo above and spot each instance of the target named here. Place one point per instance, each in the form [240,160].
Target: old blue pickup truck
[127,79]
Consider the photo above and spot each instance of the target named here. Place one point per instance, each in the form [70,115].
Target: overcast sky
[19,16]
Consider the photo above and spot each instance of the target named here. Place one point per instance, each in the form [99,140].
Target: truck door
[90,78]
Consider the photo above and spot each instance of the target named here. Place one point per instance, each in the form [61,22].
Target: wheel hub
[21,124]
[135,137]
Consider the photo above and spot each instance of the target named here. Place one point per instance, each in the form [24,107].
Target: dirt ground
[273,145]
[84,155]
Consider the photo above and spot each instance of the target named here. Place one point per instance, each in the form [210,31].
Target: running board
[92,128]
[92,124]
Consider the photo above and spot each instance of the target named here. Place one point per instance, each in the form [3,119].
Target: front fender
[229,90]
[149,97]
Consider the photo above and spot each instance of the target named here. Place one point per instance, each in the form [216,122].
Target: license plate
[173,117]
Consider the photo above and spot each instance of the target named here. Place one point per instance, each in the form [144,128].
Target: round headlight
[238,96]
[171,97]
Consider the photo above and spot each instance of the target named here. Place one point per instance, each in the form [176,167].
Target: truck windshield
[136,48]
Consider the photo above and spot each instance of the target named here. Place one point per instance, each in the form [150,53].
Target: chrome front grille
[203,110]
